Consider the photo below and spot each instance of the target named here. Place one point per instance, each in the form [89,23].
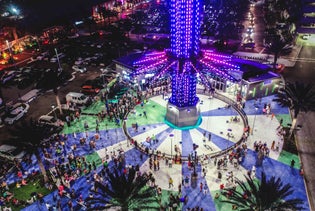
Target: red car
[88,89]
[279,68]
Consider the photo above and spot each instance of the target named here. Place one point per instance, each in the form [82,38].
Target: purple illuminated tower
[185,63]
[183,109]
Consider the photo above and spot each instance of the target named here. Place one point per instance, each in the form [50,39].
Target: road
[304,69]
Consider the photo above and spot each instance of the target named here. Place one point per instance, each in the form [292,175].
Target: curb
[308,192]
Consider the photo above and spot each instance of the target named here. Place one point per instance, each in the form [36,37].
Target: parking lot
[76,71]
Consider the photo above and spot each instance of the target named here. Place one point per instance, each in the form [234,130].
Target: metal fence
[217,95]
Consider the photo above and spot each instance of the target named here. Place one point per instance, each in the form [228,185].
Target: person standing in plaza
[136,127]
[97,122]
[186,182]
[68,120]
[170,183]
[97,130]
[205,189]
[86,126]
[273,145]
[74,136]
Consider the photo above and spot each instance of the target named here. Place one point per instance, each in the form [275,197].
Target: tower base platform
[183,116]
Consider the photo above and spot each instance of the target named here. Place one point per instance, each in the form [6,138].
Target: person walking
[136,127]
[273,145]
[186,182]
[205,189]
[86,126]
[292,163]
[170,182]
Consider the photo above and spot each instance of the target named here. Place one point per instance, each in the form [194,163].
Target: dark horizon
[45,13]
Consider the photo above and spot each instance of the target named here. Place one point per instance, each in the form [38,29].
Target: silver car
[11,152]
[16,112]
[50,120]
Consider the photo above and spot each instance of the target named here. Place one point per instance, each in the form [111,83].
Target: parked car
[79,69]
[16,112]
[24,82]
[97,83]
[280,68]
[89,89]
[50,120]
[7,76]
[78,98]
[11,152]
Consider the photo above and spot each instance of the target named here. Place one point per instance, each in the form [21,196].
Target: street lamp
[171,135]
[116,97]
[10,50]
[60,69]
[53,108]
[256,109]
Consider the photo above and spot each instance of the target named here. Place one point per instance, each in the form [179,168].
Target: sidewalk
[288,61]
[306,147]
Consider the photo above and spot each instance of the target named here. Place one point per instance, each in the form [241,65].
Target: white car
[50,120]
[79,68]
[11,152]
[16,112]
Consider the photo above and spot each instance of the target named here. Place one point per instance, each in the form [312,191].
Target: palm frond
[29,135]
[124,191]
[264,195]
[297,96]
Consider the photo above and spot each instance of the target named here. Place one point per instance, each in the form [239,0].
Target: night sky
[44,13]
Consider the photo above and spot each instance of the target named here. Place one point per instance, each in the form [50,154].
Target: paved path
[305,139]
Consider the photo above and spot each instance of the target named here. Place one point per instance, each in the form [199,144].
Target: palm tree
[51,80]
[30,137]
[125,191]
[276,46]
[269,194]
[298,97]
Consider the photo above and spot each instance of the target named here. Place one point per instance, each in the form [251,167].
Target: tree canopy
[125,191]
[297,96]
[268,194]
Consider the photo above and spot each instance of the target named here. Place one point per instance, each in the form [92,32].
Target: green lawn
[94,157]
[286,157]
[286,119]
[78,125]
[95,108]
[155,113]
[24,192]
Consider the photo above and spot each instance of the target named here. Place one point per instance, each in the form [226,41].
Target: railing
[217,95]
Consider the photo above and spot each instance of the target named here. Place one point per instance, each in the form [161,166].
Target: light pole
[10,50]
[60,69]
[53,108]
[171,135]
[256,109]
[116,97]
[116,133]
